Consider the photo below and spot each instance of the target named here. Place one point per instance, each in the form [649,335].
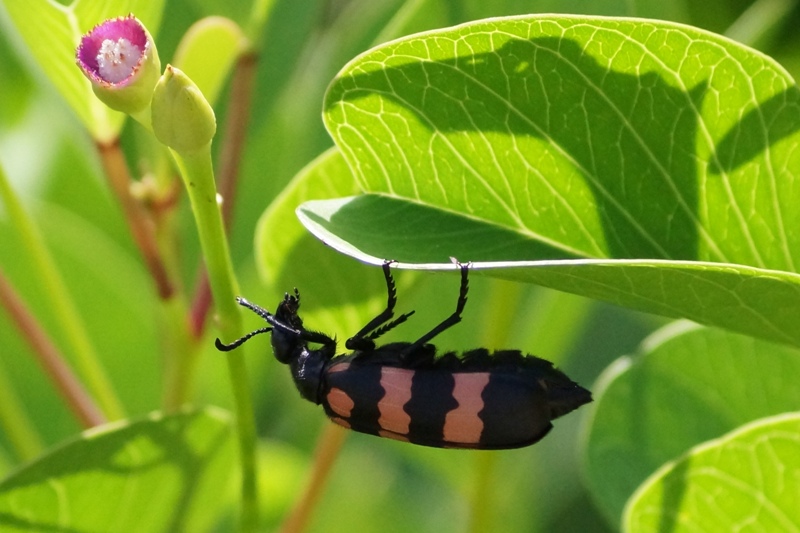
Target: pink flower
[120,59]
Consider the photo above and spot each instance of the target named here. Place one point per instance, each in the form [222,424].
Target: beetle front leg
[364,339]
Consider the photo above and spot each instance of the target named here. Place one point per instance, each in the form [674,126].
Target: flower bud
[120,59]
[181,116]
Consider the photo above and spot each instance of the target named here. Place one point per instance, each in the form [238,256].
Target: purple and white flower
[120,59]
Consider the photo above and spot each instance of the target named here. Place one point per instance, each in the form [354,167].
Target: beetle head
[287,328]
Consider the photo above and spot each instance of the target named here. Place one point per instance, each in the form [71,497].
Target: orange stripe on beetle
[396,384]
[340,402]
[463,425]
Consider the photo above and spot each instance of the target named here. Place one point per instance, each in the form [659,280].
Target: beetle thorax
[307,369]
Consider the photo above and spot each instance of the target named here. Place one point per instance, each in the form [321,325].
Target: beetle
[403,391]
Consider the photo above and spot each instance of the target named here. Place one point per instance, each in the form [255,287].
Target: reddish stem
[328,447]
[140,224]
[50,358]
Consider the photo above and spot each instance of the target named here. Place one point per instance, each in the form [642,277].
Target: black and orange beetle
[403,391]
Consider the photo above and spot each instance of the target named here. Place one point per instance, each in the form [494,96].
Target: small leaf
[748,480]
[164,473]
[690,384]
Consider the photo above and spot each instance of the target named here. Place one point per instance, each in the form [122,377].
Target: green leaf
[664,153]
[207,53]
[689,384]
[747,480]
[52,32]
[164,473]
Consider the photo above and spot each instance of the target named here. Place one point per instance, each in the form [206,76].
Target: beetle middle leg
[376,327]
[453,319]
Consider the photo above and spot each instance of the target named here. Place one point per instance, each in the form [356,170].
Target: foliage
[646,164]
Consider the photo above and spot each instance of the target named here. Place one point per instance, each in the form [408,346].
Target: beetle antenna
[260,311]
[257,309]
[222,347]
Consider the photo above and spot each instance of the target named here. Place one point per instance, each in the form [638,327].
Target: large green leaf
[164,473]
[52,32]
[661,155]
[690,384]
[745,481]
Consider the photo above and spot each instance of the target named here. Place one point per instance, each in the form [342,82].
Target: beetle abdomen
[486,408]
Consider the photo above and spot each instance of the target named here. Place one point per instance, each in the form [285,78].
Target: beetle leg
[453,319]
[377,326]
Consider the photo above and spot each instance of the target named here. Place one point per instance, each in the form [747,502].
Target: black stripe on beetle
[403,391]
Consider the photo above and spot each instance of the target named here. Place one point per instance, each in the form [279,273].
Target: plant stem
[50,358]
[62,304]
[230,159]
[482,491]
[325,455]
[141,226]
[181,352]
[15,423]
[196,171]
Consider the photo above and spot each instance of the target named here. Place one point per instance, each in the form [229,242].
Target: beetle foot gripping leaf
[402,391]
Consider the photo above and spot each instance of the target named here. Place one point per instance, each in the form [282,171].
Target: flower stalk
[120,59]
[196,171]
[184,121]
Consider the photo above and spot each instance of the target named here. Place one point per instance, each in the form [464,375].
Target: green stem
[482,492]
[181,356]
[61,303]
[233,142]
[259,15]
[16,424]
[198,176]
